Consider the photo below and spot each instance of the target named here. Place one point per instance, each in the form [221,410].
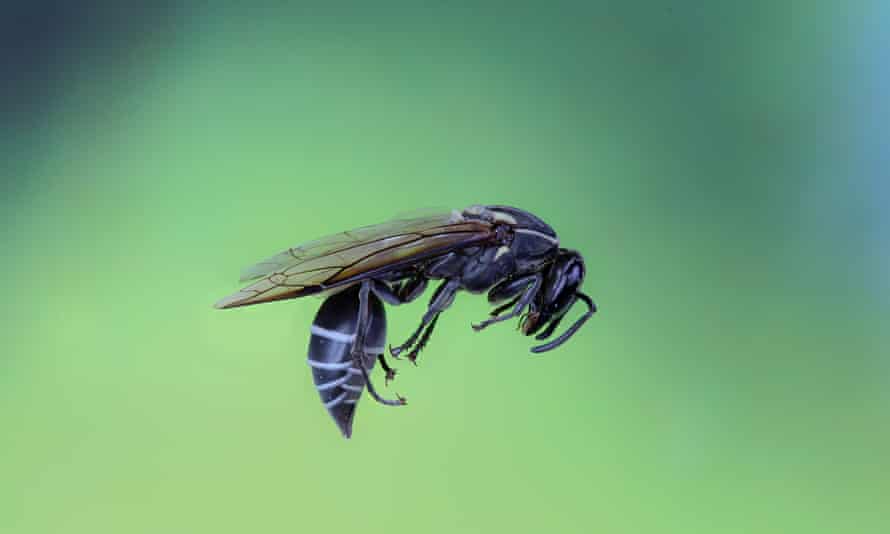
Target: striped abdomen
[338,381]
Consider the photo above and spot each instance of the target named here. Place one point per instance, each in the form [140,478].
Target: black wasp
[506,251]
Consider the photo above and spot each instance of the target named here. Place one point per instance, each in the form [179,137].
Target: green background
[720,165]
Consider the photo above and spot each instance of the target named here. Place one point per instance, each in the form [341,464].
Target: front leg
[358,344]
[531,283]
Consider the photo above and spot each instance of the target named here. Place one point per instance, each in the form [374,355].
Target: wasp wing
[351,256]
[337,242]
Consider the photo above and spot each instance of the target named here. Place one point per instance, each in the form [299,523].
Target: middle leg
[412,356]
[442,299]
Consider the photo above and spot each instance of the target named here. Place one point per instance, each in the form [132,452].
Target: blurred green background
[721,166]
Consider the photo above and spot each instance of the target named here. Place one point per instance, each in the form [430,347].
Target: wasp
[509,253]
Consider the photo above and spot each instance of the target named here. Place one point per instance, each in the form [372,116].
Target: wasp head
[557,294]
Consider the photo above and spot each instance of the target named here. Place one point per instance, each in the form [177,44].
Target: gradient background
[722,167]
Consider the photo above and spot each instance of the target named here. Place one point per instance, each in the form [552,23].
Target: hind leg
[390,372]
[358,346]
[404,292]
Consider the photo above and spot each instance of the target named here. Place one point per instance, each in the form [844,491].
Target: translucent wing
[336,242]
[350,256]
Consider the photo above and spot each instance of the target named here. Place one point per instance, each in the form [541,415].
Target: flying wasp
[508,252]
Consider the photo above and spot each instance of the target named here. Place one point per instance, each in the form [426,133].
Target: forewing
[350,256]
[333,243]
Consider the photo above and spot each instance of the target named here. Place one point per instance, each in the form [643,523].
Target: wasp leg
[551,327]
[412,356]
[500,309]
[412,288]
[442,298]
[390,372]
[395,351]
[533,285]
[358,344]
[591,309]
[402,293]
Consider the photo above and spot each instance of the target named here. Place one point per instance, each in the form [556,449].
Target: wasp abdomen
[339,382]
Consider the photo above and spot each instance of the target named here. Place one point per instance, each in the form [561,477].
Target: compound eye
[562,301]
[564,282]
